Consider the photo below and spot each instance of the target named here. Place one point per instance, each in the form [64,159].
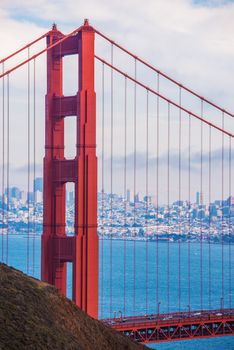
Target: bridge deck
[175,326]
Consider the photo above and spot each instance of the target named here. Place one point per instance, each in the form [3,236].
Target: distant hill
[34,316]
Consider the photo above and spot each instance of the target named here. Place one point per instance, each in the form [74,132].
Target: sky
[192,41]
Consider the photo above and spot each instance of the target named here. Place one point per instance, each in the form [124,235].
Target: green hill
[33,316]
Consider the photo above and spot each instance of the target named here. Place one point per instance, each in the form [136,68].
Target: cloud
[192,41]
[212,3]
[195,160]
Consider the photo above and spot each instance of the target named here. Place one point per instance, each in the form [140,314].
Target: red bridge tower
[57,247]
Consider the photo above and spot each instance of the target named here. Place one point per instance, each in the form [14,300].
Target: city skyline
[198,197]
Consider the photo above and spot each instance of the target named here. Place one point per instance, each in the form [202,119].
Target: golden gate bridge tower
[82,248]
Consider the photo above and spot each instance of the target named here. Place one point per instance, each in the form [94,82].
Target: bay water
[140,290]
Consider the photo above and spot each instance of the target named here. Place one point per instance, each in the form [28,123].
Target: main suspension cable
[60,41]
[24,47]
[205,121]
[164,75]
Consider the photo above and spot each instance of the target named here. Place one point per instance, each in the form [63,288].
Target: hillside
[33,315]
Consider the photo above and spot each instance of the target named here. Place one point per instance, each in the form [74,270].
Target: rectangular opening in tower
[70,202]
[69,280]
[70,137]
[70,75]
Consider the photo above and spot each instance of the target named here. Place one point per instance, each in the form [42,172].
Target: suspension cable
[189,199]
[168,204]
[222,217]
[60,41]
[111,179]
[210,213]
[164,75]
[59,266]
[28,180]
[103,178]
[147,197]
[24,47]
[163,97]
[8,166]
[125,188]
[134,184]
[157,195]
[34,166]
[3,161]
[230,224]
[179,245]
[201,213]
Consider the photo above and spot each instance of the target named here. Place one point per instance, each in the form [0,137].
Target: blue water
[111,291]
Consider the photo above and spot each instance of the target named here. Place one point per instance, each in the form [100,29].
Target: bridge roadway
[175,326]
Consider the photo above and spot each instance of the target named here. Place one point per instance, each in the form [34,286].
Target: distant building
[38,184]
[15,192]
[12,192]
[136,198]
[197,198]
[38,197]
[230,200]
[31,196]
[147,199]
[23,197]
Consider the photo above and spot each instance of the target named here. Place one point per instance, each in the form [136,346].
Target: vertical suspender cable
[168,204]
[8,165]
[230,224]
[103,150]
[59,267]
[134,185]
[201,213]
[179,246]
[189,199]
[157,197]
[125,187]
[3,160]
[222,218]
[34,165]
[210,213]
[111,182]
[147,198]
[28,183]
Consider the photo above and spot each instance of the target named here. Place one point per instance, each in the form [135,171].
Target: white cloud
[192,41]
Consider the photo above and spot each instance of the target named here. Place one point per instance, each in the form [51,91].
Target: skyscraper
[38,184]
